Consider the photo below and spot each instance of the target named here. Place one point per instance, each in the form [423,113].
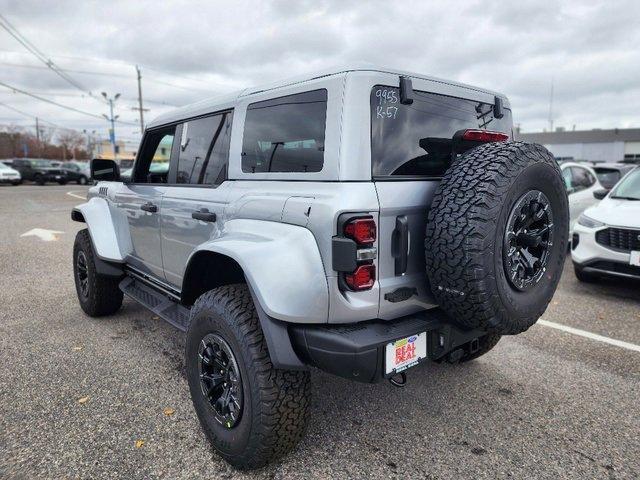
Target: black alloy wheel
[220,379]
[82,271]
[528,240]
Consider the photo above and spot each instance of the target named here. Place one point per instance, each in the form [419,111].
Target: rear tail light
[484,136]
[362,278]
[362,230]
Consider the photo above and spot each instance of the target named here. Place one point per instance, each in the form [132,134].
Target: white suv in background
[606,237]
[581,181]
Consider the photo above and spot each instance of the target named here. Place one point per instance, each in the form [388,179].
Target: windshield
[416,139]
[629,187]
[4,167]
[41,163]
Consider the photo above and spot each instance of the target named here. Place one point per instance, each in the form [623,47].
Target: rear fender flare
[282,265]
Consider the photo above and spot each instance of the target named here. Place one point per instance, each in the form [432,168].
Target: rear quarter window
[396,130]
[285,134]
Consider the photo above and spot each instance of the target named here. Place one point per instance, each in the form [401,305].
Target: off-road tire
[486,342]
[82,180]
[583,276]
[103,296]
[275,402]
[466,228]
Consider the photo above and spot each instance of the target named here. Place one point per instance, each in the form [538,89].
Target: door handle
[149,207]
[400,244]
[204,215]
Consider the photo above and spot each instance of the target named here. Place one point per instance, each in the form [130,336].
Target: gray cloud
[589,49]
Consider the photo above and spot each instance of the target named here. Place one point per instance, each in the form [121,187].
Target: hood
[616,212]
[10,170]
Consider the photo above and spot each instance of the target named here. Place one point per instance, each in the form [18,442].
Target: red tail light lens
[484,136]
[362,278]
[362,230]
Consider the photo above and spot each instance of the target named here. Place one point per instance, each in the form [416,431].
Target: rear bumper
[356,351]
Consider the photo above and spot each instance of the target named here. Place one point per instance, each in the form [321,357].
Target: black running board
[158,302]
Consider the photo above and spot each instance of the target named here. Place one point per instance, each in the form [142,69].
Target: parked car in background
[39,171]
[125,163]
[9,175]
[158,172]
[77,172]
[610,173]
[606,238]
[581,181]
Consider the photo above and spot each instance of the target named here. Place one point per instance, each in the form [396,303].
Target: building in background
[615,145]
[124,150]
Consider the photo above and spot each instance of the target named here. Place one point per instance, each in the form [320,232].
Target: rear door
[410,151]
[193,205]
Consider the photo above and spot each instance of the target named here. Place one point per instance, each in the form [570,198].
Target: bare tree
[69,140]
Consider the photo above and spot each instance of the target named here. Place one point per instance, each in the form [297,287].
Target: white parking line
[71,194]
[591,336]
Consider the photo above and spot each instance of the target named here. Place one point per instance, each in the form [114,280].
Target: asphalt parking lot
[108,398]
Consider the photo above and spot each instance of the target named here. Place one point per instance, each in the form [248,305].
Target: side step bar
[159,303]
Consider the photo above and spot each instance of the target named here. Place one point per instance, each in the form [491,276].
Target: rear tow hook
[399,383]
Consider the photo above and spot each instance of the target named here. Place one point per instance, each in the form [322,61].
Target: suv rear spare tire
[497,236]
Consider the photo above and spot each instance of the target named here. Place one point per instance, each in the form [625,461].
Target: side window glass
[285,134]
[581,178]
[204,150]
[153,164]
[568,179]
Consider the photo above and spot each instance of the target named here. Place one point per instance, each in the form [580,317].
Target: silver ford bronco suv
[360,220]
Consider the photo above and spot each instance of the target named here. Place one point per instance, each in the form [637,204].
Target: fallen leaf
[168,411]
[155,318]
[83,400]
[77,349]
[139,443]
[556,303]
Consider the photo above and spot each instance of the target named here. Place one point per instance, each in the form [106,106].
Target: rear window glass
[608,177]
[285,134]
[396,130]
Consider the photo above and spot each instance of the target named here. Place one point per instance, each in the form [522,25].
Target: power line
[4,23]
[58,104]
[33,116]
[124,64]
[79,95]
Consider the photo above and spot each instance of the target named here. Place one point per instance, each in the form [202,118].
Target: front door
[193,206]
[141,201]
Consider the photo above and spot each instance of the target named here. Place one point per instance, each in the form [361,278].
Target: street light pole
[112,120]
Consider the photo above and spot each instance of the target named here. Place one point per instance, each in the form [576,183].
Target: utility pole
[38,138]
[112,120]
[551,107]
[140,108]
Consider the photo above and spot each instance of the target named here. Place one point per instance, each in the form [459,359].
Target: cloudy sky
[188,51]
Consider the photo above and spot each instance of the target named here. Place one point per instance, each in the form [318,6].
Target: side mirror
[104,170]
[601,193]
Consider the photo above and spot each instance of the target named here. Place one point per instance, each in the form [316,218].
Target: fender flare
[102,229]
[282,266]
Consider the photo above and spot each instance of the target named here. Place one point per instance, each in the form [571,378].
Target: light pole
[112,120]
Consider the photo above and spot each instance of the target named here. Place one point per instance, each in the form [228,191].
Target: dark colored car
[610,173]
[76,172]
[40,171]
